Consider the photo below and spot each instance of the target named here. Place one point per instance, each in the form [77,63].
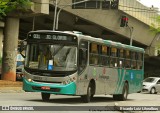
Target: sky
[149,3]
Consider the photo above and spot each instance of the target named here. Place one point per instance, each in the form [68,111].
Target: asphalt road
[34,99]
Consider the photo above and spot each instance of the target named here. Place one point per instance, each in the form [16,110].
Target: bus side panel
[105,79]
[120,81]
[113,75]
[133,77]
[82,83]
[95,72]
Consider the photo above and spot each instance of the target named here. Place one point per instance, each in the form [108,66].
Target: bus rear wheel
[115,97]
[45,96]
[123,96]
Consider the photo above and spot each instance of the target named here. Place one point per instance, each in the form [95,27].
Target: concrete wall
[110,19]
[41,6]
[154,48]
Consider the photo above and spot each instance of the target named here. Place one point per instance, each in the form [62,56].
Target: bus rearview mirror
[22,48]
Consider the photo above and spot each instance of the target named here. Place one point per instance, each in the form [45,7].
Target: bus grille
[47,81]
[51,89]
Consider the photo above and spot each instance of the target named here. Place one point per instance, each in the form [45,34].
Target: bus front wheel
[87,98]
[45,96]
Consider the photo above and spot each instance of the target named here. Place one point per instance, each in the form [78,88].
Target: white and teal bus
[68,63]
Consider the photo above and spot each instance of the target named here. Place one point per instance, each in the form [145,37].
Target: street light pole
[55,15]
[57,18]
[131,32]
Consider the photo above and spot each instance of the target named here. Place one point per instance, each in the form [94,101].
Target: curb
[11,90]
[10,86]
[4,83]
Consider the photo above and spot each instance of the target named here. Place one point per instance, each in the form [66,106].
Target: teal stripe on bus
[121,76]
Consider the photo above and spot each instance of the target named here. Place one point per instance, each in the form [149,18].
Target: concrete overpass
[97,21]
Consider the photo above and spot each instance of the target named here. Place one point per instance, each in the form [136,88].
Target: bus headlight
[29,80]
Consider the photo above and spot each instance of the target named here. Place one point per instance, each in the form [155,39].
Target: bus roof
[120,45]
[63,32]
[115,44]
[100,40]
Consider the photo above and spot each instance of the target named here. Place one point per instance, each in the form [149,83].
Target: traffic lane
[136,99]
[141,99]
[34,99]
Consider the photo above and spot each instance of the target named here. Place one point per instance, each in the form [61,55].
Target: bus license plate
[45,88]
[37,78]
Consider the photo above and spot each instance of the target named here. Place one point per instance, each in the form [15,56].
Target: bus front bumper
[68,89]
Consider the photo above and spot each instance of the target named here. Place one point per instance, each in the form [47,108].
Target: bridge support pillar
[151,51]
[10,48]
[1,38]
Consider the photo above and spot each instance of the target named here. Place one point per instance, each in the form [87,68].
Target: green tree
[10,12]
[156,28]
[6,6]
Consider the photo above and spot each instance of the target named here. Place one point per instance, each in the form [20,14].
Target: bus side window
[104,55]
[113,52]
[139,60]
[128,59]
[134,64]
[121,58]
[104,50]
[113,57]
[93,54]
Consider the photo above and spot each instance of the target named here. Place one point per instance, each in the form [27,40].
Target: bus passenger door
[82,68]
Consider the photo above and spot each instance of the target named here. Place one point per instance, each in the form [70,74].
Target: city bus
[70,63]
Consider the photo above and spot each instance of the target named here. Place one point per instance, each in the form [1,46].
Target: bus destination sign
[56,37]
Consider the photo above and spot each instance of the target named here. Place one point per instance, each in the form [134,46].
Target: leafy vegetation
[7,6]
[156,28]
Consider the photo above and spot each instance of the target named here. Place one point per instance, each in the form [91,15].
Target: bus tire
[45,96]
[123,96]
[87,98]
[115,97]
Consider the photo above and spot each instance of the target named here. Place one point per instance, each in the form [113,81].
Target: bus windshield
[52,57]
